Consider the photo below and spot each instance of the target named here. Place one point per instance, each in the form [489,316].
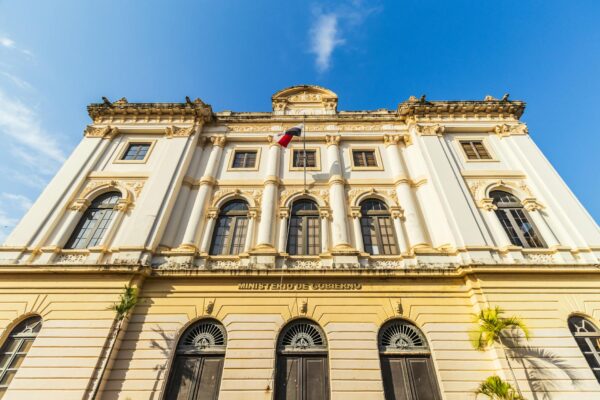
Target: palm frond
[128,300]
[491,326]
[497,389]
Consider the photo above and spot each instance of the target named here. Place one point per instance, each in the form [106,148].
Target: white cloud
[7,42]
[325,37]
[20,124]
[17,81]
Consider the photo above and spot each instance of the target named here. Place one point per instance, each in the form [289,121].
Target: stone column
[284,214]
[397,217]
[358,239]
[269,201]
[431,206]
[325,214]
[534,210]
[252,215]
[212,216]
[412,213]
[192,229]
[337,196]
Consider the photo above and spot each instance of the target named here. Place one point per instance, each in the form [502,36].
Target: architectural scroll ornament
[357,194]
[175,131]
[505,130]
[254,195]
[321,194]
[430,130]
[480,189]
[108,132]
[130,189]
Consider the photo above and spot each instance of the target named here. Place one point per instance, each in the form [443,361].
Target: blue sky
[56,57]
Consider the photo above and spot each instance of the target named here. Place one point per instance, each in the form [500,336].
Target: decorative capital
[272,180]
[430,130]
[333,140]
[213,213]
[531,204]
[219,141]
[336,179]
[355,212]
[253,213]
[284,213]
[407,139]
[79,205]
[324,212]
[487,204]
[101,132]
[123,205]
[208,180]
[175,131]
[390,140]
[397,212]
[505,130]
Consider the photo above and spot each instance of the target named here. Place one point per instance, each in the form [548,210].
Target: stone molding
[505,130]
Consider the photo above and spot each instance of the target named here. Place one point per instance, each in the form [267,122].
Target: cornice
[124,112]
[414,108]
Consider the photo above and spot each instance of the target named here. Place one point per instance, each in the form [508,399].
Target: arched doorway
[198,364]
[406,365]
[302,368]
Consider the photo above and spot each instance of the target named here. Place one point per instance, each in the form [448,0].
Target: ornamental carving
[223,264]
[505,130]
[286,194]
[430,130]
[305,99]
[388,194]
[130,189]
[101,132]
[333,140]
[253,195]
[218,140]
[386,264]
[540,258]
[71,258]
[175,131]
[303,264]
[480,188]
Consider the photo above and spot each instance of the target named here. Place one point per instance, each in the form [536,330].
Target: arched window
[229,235]
[198,364]
[15,349]
[587,337]
[304,235]
[302,371]
[95,221]
[377,228]
[515,221]
[406,365]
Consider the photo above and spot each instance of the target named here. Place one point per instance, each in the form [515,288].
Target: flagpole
[304,143]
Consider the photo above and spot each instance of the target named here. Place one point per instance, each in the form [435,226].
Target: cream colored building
[361,284]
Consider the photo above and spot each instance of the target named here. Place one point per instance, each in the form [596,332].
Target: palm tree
[491,328]
[497,389]
[127,301]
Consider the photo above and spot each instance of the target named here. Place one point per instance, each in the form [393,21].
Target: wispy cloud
[330,27]
[11,204]
[23,84]
[20,124]
[8,43]
[324,39]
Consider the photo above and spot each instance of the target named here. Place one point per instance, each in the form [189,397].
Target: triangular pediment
[304,100]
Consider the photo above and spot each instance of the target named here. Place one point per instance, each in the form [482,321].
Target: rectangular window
[298,158]
[244,159]
[475,150]
[136,152]
[364,158]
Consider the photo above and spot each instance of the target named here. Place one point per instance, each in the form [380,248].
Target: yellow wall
[77,320]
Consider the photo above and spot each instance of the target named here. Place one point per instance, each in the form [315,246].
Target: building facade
[346,266]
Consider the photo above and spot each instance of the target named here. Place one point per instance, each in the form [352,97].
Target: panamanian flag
[286,137]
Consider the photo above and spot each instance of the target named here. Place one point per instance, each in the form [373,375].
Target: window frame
[588,339]
[69,244]
[235,217]
[231,160]
[508,212]
[378,160]
[119,159]
[484,141]
[297,148]
[374,216]
[304,216]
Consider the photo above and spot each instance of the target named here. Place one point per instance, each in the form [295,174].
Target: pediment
[304,100]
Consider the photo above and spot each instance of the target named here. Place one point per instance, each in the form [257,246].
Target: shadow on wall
[537,364]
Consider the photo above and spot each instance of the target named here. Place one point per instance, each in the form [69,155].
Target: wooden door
[195,378]
[409,378]
[301,377]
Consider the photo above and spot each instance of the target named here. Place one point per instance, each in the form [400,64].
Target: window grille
[298,158]
[302,335]
[304,236]
[15,350]
[401,336]
[587,337]
[475,150]
[364,158]
[205,335]
[95,222]
[377,228]
[244,159]
[515,221]
[136,151]
[229,235]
